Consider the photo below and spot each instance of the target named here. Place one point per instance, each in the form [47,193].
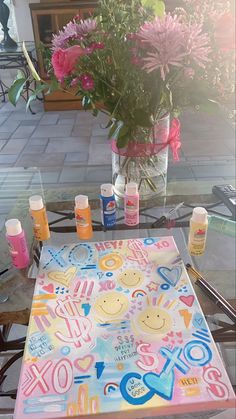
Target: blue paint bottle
[108,205]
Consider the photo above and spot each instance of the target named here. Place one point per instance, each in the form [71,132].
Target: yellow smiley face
[155,320]
[131,278]
[111,305]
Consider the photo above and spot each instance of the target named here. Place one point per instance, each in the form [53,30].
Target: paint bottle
[198,232]
[39,218]
[131,204]
[108,205]
[222,225]
[83,217]
[15,236]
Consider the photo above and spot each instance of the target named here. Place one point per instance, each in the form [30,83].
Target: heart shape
[179,334]
[83,364]
[63,277]
[180,341]
[171,276]
[165,339]
[49,288]
[162,384]
[171,334]
[188,300]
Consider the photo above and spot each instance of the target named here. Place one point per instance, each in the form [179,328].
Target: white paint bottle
[131,204]
[198,232]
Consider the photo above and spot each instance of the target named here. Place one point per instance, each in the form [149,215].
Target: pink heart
[49,288]
[165,339]
[173,342]
[83,364]
[179,334]
[42,276]
[187,300]
[180,341]
[171,334]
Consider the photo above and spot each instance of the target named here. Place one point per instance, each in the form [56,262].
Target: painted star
[152,286]
[104,347]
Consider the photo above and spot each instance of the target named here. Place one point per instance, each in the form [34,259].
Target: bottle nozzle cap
[81,202]
[36,202]
[107,190]
[131,188]
[199,215]
[13,227]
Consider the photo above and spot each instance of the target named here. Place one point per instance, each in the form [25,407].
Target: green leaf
[158,6]
[123,136]
[20,75]
[142,118]
[40,88]
[31,98]
[86,102]
[16,90]
[114,130]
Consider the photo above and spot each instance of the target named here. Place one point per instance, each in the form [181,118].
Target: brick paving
[65,144]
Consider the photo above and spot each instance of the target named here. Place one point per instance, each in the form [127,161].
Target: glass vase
[144,161]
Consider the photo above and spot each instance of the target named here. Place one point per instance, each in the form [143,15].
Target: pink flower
[169,42]
[64,61]
[69,32]
[164,40]
[87,82]
[86,26]
[197,44]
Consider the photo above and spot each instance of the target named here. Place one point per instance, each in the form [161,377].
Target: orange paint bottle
[39,217]
[83,217]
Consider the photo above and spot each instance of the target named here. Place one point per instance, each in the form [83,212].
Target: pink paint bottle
[131,204]
[15,236]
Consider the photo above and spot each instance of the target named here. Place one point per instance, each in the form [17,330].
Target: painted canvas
[116,328]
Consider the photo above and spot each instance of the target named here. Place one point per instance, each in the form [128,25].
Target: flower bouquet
[140,66]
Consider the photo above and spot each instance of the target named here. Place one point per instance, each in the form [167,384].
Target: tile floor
[64,144]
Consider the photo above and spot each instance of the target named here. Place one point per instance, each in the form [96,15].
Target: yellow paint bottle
[83,217]
[39,217]
[198,232]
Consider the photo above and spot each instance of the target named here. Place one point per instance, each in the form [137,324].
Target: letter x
[173,360]
[34,378]
[56,257]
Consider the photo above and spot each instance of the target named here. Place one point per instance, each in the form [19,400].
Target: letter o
[57,376]
[206,353]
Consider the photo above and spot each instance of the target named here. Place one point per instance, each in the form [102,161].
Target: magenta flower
[87,82]
[164,39]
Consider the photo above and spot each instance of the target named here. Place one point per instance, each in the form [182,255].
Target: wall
[23,19]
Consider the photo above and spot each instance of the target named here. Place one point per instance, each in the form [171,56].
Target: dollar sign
[150,360]
[216,388]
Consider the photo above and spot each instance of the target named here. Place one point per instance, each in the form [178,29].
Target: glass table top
[217,264]
[18,50]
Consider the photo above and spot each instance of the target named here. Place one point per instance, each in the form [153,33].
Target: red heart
[49,288]
[188,300]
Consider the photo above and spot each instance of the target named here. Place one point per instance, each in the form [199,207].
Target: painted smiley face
[155,320]
[111,305]
[131,278]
